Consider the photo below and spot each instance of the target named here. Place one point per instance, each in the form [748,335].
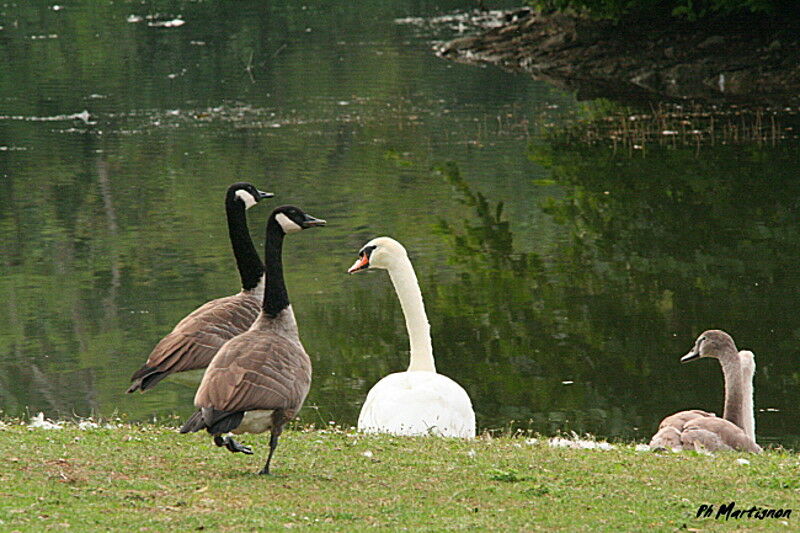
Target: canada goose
[694,429]
[418,401]
[194,340]
[258,380]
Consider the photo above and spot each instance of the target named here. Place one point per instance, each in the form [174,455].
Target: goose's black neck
[247,260]
[275,297]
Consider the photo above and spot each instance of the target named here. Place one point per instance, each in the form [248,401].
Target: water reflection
[590,340]
[684,242]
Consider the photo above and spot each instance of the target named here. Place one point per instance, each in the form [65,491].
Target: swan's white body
[418,401]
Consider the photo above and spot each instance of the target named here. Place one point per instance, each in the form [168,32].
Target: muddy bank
[744,59]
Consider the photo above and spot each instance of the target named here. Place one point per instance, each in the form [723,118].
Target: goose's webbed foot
[232,445]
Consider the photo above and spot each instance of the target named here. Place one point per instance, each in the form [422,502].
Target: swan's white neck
[419,330]
[748,416]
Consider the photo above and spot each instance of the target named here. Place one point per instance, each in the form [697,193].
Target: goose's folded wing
[197,338]
[256,371]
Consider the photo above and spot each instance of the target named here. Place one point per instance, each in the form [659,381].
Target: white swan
[689,430]
[418,401]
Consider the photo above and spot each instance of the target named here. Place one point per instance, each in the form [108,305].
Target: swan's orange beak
[361,263]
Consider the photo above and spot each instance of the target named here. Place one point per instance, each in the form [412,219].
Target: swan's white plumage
[418,403]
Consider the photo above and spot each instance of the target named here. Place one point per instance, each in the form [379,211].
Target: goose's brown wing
[254,371]
[196,339]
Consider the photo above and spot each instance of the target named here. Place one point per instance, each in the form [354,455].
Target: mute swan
[193,342]
[418,401]
[259,380]
[699,429]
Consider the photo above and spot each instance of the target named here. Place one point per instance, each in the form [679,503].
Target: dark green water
[568,310]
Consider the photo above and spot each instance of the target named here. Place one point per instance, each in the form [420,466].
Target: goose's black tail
[195,423]
[213,420]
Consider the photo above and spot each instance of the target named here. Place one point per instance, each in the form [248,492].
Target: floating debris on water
[674,125]
[174,23]
[84,116]
[460,22]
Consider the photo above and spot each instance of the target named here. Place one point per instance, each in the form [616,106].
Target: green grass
[150,478]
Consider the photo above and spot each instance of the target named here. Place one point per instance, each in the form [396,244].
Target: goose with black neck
[195,340]
[259,380]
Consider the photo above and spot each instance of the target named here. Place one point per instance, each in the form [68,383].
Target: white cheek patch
[246,197]
[288,225]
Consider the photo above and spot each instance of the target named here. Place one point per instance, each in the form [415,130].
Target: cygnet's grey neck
[731,369]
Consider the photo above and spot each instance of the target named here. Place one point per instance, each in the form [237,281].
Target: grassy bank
[150,478]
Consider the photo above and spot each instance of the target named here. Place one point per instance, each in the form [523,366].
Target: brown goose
[193,342]
[689,430]
[259,379]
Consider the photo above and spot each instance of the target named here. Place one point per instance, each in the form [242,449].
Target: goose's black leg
[232,445]
[273,442]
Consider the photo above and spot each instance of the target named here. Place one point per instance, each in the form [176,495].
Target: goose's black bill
[310,222]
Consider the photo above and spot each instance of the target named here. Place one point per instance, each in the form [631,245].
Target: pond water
[563,278]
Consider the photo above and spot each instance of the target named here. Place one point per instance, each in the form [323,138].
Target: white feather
[255,422]
[288,225]
[418,403]
[248,199]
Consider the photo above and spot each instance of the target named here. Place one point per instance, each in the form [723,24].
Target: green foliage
[689,9]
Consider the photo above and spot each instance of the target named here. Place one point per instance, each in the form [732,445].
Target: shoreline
[740,59]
